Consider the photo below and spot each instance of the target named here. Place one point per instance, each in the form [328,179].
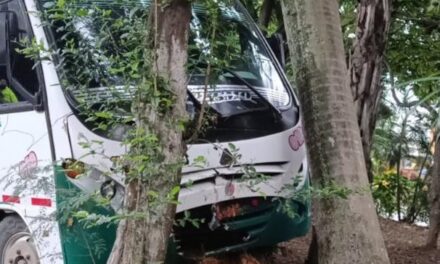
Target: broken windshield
[89,40]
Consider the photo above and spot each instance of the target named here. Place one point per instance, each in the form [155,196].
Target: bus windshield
[89,41]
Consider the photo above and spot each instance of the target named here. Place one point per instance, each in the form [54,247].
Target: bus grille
[235,173]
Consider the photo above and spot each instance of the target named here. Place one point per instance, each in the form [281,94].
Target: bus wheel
[16,243]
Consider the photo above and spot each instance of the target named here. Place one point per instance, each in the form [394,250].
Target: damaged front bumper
[241,224]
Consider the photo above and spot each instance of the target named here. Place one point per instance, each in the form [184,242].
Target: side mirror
[276,42]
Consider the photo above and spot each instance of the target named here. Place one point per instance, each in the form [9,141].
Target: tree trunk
[347,230]
[266,13]
[399,185]
[434,197]
[412,212]
[144,238]
[399,161]
[365,67]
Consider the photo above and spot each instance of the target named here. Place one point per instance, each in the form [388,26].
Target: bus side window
[21,68]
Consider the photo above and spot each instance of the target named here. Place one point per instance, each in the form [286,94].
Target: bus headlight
[73,168]
[108,189]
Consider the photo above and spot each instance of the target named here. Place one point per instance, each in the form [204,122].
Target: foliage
[412,72]
[415,35]
[384,192]
[348,21]
[7,95]
[401,137]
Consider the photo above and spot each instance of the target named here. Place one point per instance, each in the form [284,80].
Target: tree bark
[347,230]
[365,67]
[434,197]
[144,238]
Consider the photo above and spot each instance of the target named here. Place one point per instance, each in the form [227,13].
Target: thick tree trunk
[347,230]
[144,239]
[434,197]
[365,67]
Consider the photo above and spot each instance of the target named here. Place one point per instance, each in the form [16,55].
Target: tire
[16,244]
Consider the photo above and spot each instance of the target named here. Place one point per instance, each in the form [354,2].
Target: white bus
[41,126]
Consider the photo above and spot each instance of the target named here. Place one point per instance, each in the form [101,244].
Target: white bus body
[41,130]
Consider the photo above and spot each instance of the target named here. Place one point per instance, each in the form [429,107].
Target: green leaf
[175,191]
[81,214]
[8,96]
[48,5]
[61,3]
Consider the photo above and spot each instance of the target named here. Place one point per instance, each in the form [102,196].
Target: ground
[403,242]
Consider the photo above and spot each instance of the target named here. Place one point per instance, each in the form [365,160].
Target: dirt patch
[403,242]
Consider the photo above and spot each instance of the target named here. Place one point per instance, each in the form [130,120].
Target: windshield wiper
[273,109]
